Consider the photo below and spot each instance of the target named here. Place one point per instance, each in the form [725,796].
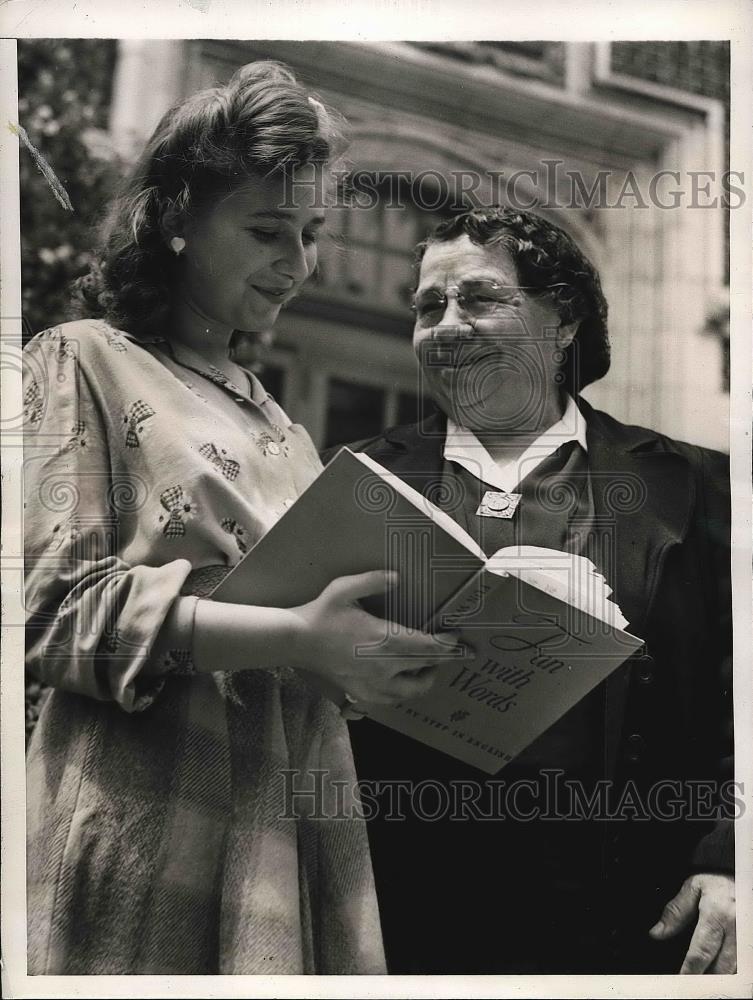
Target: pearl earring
[177,245]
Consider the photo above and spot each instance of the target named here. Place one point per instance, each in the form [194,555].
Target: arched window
[377,223]
[363,287]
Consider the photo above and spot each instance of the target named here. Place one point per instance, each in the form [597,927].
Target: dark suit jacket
[664,510]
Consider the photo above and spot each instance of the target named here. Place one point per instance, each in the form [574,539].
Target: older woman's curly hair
[545,256]
[262,122]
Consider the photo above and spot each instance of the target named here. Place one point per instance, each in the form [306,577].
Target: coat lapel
[414,452]
[643,498]
[644,494]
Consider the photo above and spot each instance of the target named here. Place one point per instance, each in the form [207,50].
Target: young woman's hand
[369,659]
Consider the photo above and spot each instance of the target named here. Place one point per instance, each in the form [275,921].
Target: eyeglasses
[477,299]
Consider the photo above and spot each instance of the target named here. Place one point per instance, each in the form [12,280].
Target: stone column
[149,77]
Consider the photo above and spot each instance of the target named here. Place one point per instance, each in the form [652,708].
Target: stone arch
[402,149]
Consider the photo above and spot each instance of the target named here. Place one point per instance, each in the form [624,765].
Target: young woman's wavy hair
[549,262]
[261,123]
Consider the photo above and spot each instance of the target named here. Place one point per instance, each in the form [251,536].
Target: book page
[564,575]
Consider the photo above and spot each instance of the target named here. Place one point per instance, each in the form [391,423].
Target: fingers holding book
[374,660]
[403,686]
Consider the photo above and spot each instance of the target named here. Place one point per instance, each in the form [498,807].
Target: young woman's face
[248,253]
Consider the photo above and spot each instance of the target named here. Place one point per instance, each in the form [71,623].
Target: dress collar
[185,356]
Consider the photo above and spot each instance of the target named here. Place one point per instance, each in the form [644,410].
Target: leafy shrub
[64,91]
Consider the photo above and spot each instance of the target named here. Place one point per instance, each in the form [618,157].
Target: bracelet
[193,624]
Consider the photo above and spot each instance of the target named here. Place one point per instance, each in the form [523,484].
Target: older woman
[562,872]
[158,835]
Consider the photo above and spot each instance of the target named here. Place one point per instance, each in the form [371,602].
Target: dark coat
[663,508]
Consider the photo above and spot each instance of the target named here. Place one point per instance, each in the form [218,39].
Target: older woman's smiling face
[490,351]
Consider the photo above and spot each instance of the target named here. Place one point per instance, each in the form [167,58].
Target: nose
[293,262]
[455,323]
[454,314]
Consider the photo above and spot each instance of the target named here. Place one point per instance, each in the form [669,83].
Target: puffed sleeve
[92,619]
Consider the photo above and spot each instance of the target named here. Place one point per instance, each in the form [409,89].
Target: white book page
[566,576]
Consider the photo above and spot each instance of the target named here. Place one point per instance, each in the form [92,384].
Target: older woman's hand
[713,947]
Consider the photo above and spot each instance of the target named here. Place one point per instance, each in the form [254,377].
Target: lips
[276,296]
[457,356]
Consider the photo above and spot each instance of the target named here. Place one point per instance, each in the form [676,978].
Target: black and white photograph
[377,500]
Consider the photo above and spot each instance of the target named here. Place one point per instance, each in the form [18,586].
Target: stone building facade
[624,145]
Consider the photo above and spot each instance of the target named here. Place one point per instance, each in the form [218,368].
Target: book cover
[541,621]
[537,656]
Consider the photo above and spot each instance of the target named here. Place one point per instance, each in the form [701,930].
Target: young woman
[179,778]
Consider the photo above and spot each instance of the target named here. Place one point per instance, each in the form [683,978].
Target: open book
[541,621]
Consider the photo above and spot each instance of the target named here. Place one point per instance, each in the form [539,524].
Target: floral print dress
[161,832]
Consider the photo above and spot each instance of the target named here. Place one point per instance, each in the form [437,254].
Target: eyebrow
[282,216]
[466,281]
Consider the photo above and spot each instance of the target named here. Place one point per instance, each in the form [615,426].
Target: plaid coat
[177,823]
